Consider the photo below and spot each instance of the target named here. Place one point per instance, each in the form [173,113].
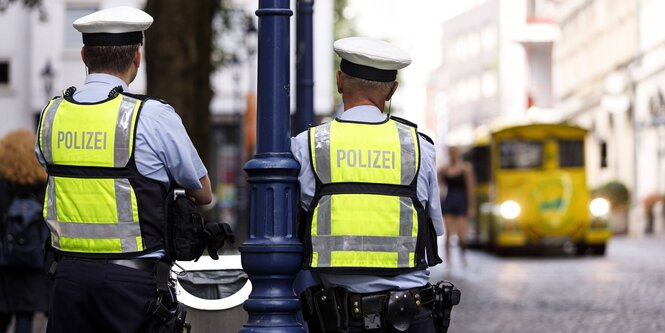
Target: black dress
[455,202]
[25,290]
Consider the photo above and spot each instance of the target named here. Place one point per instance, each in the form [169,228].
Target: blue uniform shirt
[428,193]
[163,150]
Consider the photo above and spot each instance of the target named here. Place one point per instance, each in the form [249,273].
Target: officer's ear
[137,57]
[392,90]
[83,55]
[338,76]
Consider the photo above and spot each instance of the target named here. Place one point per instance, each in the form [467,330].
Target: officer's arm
[203,195]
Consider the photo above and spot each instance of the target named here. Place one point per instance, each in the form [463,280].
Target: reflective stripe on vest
[360,229]
[91,214]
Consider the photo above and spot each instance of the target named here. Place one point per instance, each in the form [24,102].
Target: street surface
[624,291]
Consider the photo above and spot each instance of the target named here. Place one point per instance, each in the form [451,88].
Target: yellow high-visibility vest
[91,204]
[365,216]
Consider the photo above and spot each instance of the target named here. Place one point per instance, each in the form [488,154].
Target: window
[489,83]
[488,36]
[461,47]
[4,72]
[74,11]
[473,44]
[520,154]
[571,153]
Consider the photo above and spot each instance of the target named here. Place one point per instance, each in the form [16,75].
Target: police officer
[369,188]
[111,157]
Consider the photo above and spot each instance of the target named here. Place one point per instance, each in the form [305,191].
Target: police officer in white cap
[369,192]
[111,157]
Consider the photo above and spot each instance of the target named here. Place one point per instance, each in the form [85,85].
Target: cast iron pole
[272,254]
[304,66]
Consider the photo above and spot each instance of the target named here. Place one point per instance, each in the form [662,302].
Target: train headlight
[509,209]
[599,207]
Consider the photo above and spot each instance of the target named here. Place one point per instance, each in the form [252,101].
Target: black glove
[215,235]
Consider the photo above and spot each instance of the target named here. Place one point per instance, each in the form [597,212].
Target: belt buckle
[372,307]
[372,321]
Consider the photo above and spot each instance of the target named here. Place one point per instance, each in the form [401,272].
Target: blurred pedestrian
[24,284]
[368,184]
[112,157]
[459,202]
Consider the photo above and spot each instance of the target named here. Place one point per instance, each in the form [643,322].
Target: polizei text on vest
[371,159]
[82,140]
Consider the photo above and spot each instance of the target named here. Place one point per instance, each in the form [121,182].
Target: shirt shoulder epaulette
[316,125]
[403,121]
[426,137]
[145,98]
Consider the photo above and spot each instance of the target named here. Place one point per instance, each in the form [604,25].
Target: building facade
[482,75]
[647,74]
[599,41]
[41,57]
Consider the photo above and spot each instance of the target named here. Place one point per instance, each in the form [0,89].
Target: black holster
[446,296]
[166,313]
[167,319]
[325,310]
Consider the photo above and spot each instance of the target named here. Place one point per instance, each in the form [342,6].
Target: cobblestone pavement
[623,291]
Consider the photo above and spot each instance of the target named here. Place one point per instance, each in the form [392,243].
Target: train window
[571,153]
[520,154]
[479,157]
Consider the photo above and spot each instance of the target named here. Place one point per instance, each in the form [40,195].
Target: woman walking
[459,203]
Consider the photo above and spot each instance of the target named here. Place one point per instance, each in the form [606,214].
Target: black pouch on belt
[400,308]
[185,237]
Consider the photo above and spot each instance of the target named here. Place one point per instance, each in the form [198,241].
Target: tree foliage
[615,192]
[344,27]
[28,3]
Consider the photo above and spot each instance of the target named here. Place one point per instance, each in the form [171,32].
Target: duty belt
[361,304]
[397,307]
[334,309]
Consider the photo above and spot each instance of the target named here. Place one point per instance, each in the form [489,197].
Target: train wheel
[598,250]
[581,249]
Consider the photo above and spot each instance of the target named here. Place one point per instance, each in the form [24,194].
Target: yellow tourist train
[532,191]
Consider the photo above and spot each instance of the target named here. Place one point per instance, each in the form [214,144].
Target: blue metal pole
[272,254]
[304,65]
[304,115]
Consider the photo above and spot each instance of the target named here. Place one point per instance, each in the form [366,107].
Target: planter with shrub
[619,197]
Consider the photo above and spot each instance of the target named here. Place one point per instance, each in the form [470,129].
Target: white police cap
[370,59]
[114,26]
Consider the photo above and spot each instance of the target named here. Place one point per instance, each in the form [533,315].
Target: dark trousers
[422,323]
[93,296]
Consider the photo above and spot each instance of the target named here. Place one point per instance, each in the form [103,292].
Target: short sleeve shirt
[163,150]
